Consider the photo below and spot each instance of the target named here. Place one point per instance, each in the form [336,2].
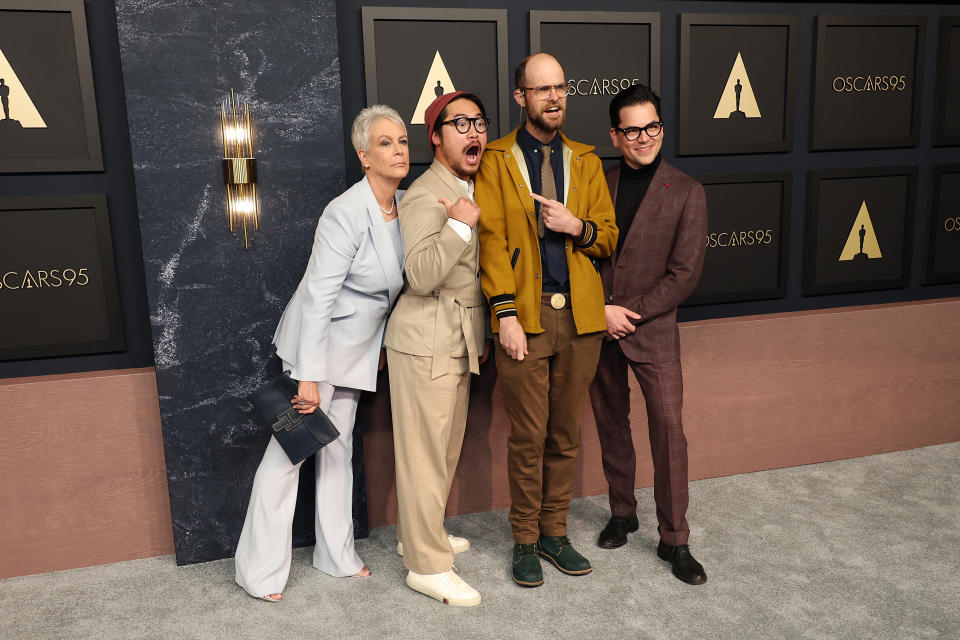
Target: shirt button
[610,299]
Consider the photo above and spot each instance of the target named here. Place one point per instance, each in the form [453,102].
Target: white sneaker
[459,545]
[447,587]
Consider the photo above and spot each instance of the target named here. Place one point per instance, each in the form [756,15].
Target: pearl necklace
[387,212]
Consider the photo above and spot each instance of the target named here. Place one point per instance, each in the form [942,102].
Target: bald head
[539,64]
[542,92]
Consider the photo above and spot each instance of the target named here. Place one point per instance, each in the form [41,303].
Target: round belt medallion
[558,301]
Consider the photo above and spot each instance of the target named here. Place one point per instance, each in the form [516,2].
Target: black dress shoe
[685,566]
[615,533]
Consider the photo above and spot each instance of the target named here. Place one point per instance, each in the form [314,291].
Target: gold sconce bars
[239,166]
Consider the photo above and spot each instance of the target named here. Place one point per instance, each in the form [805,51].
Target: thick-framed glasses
[632,133]
[463,124]
[542,93]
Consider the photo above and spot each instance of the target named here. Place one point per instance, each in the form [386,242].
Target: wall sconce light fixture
[239,166]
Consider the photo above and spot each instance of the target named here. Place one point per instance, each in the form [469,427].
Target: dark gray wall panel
[214,305]
[798,160]
[117,183]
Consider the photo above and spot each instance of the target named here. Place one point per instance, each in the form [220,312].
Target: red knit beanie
[435,109]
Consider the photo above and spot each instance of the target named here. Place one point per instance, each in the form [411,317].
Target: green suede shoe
[559,551]
[526,566]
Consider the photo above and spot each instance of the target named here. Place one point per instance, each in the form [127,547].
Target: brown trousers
[662,386]
[429,419]
[541,395]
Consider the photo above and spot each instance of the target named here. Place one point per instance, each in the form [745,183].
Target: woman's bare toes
[363,573]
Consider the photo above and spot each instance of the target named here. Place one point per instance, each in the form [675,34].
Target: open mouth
[473,153]
[553,109]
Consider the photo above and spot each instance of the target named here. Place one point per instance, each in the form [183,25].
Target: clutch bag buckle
[288,420]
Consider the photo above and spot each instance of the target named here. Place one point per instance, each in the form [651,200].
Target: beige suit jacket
[441,311]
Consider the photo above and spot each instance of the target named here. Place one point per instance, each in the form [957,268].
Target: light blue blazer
[332,329]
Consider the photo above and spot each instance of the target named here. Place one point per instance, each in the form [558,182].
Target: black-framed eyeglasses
[632,133]
[463,123]
[542,93]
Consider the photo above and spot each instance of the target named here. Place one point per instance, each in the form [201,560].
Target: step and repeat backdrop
[827,137]
[836,217]
[822,132]
[72,294]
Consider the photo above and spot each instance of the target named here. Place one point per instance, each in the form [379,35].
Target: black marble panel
[214,305]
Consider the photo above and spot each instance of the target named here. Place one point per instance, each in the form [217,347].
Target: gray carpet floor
[862,548]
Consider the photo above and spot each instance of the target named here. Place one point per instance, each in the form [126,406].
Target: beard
[540,123]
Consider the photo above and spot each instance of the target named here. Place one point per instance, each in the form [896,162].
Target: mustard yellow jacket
[510,265]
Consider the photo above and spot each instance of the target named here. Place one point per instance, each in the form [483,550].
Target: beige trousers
[429,418]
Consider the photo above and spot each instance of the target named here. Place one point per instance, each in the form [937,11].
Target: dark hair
[634,94]
[472,97]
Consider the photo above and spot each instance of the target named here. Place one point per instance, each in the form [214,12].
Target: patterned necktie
[548,184]
[556,262]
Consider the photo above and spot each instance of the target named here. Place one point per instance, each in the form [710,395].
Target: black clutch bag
[300,434]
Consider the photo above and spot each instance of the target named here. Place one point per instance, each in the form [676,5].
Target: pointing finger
[444,202]
[541,199]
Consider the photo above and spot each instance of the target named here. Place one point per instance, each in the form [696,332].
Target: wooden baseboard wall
[83,481]
[82,475]
[761,392]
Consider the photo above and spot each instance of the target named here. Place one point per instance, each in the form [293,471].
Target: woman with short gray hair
[330,338]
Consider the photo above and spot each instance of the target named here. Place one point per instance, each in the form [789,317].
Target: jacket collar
[374,216]
[658,183]
[650,203]
[506,142]
[446,176]
[382,243]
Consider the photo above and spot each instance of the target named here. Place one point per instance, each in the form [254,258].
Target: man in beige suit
[434,340]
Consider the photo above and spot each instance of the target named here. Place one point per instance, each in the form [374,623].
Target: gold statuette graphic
[737,100]
[862,241]
[438,82]
[17,107]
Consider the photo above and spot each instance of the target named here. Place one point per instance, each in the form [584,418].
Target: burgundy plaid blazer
[660,262]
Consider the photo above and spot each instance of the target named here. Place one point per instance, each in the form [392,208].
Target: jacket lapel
[453,183]
[613,181]
[651,204]
[448,179]
[386,253]
[517,167]
[567,168]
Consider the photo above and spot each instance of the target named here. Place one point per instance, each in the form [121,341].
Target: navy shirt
[556,278]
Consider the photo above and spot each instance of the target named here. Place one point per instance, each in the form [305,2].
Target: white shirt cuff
[462,228]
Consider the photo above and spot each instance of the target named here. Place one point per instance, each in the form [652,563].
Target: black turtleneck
[630,192]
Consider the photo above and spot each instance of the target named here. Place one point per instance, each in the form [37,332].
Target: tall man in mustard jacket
[547,217]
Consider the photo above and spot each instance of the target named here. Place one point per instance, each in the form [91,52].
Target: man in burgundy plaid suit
[662,217]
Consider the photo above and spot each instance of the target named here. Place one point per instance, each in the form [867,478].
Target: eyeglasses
[463,124]
[542,93]
[632,133]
